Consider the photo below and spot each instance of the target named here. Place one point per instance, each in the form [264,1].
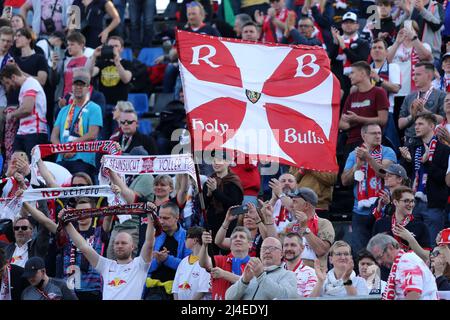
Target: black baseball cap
[306,194]
[395,169]
[32,266]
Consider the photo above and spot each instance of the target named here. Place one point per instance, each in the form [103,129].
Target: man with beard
[281,204]
[265,278]
[317,233]
[79,121]
[306,276]
[32,108]
[43,287]
[168,251]
[410,278]
[123,278]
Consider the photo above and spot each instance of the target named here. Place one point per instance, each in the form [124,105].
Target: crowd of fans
[259,236]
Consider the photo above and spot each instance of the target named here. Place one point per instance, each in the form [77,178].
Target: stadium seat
[148,55]
[145,126]
[127,54]
[140,102]
[160,101]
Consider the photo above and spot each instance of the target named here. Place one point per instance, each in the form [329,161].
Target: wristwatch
[349,282]
[380,82]
[282,195]
[307,231]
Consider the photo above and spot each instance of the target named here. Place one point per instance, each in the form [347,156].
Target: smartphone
[7,12]
[57,50]
[239,210]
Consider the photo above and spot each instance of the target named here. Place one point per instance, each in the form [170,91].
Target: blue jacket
[171,261]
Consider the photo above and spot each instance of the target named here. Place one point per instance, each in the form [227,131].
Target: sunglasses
[23,228]
[127,122]
[434,254]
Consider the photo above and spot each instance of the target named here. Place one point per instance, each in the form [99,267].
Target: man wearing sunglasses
[25,246]
[264,278]
[130,137]
[79,121]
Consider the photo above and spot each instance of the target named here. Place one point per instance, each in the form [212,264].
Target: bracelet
[259,221]
[224,227]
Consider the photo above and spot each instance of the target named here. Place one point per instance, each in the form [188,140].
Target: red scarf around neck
[403,223]
[369,187]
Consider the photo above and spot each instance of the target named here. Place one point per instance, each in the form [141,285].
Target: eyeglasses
[435,253]
[269,249]
[23,228]
[341,254]
[408,201]
[127,122]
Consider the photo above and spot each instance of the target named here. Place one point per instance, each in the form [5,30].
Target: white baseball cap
[350,16]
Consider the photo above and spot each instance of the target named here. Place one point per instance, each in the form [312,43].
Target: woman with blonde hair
[341,281]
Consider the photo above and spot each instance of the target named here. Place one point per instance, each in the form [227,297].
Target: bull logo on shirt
[116,282]
[185,286]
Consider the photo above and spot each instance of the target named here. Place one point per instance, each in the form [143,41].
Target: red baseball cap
[445,236]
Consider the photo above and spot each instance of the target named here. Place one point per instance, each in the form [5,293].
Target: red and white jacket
[36,122]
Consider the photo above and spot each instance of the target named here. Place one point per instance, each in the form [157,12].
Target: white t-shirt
[394,78]
[36,122]
[306,279]
[402,58]
[413,275]
[190,279]
[122,281]
[280,225]
[308,252]
[20,255]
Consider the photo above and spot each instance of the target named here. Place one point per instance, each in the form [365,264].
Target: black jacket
[18,284]
[140,139]
[38,246]
[436,188]
[298,38]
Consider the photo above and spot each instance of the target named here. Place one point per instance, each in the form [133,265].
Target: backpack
[140,82]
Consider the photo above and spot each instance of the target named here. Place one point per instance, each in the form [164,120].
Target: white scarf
[71,192]
[135,165]
[333,286]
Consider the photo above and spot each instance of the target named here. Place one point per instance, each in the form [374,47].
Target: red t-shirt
[365,104]
[220,286]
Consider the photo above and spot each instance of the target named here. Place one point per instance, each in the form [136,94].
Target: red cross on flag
[275,102]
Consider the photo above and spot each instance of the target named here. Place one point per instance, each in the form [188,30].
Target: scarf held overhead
[44,150]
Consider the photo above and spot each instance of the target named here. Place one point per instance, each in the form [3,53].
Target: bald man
[264,278]
[281,203]
[123,278]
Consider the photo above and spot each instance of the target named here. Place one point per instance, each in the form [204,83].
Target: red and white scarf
[71,192]
[420,173]
[389,291]
[414,60]
[135,165]
[127,209]
[370,186]
[44,150]
[403,223]
[5,286]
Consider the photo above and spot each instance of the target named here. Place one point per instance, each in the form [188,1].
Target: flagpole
[195,158]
